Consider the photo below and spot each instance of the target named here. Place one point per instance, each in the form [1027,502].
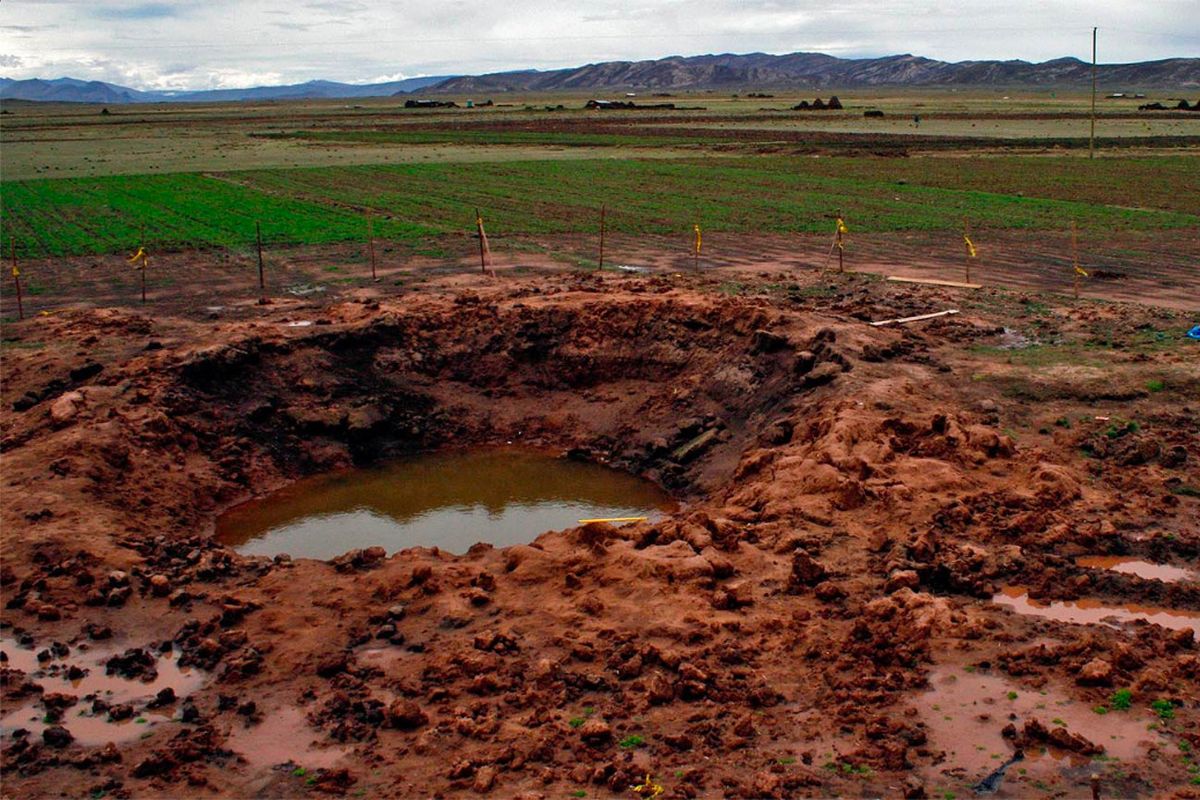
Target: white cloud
[227,43]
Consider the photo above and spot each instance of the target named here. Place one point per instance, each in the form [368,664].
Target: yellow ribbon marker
[16,272]
[841,226]
[648,788]
[970,246]
[613,519]
[485,252]
[140,255]
[696,228]
[1080,271]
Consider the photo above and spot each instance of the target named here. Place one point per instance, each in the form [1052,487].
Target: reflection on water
[89,728]
[283,737]
[1087,611]
[966,712]
[1136,566]
[447,500]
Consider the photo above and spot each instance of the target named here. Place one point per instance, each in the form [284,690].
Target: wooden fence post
[262,285]
[602,210]
[16,275]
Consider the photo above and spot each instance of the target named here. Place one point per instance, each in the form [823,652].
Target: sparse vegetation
[1164,708]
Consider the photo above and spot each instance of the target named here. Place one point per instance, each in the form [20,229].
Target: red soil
[857,501]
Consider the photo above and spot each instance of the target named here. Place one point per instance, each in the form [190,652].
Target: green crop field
[80,216]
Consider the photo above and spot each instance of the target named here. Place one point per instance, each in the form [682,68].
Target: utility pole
[1092,140]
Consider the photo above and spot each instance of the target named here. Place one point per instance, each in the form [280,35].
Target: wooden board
[918,318]
[935,282]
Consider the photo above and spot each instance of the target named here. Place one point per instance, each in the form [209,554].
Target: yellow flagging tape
[1080,271]
[970,246]
[612,519]
[841,226]
[696,228]
[648,788]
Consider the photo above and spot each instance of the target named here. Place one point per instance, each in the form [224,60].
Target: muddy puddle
[91,725]
[447,500]
[283,737]
[965,713]
[1142,569]
[1092,612]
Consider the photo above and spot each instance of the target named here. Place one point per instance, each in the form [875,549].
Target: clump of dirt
[852,499]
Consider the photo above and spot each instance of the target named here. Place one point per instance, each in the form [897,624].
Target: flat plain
[887,564]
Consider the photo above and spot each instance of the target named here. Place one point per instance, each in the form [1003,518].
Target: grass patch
[79,216]
[1164,708]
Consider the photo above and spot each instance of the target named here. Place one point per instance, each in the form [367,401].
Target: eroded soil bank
[852,499]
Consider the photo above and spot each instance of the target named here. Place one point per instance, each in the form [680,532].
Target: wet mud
[851,500]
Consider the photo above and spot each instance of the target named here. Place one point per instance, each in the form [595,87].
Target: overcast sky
[235,43]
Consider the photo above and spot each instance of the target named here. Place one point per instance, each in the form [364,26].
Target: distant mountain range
[676,73]
[70,90]
[817,71]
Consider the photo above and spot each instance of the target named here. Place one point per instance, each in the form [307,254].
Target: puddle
[283,737]
[446,500]
[965,713]
[1093,612]
[1015,340]
[302,289]
[92,730]
[1142,569]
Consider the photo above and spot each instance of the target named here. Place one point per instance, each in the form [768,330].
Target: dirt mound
[847,512]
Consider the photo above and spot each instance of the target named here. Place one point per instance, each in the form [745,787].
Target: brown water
[284,737]
[1092,612]
[965,713]
[1136,566]
[448,500]
[95,729]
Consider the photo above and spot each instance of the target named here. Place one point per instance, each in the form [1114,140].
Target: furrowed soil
[816,619]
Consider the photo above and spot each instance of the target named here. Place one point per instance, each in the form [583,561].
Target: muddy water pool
[449,500]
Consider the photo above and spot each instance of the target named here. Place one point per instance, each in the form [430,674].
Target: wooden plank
[917,318]
[935,282]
